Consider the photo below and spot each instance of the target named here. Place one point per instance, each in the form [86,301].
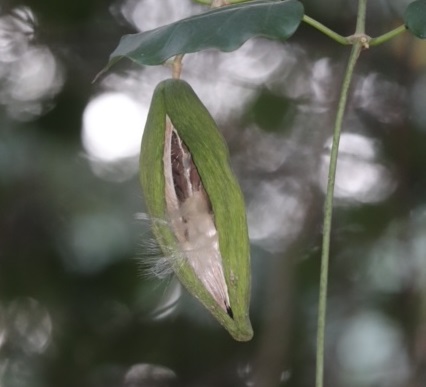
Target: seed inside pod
[191,217]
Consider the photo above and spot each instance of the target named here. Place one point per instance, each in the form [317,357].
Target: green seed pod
[187,180]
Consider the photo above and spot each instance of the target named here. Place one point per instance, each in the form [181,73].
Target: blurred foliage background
[76,305]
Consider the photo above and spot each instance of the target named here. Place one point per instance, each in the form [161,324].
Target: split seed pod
[186,179]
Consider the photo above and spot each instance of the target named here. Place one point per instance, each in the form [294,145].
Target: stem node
[362,39]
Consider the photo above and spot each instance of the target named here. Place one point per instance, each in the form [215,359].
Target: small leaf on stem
[415,18]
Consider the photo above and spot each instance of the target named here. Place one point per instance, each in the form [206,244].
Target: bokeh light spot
[360,178]
[371,351]
[112,127]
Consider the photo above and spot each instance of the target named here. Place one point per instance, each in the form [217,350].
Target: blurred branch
[273,356]
[419,354]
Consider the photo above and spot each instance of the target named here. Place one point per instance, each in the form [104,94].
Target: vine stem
[346,40]
[328,205]
[389,35]
[325,30]
[328,212]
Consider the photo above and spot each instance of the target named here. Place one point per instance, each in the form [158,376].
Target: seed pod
[186,179]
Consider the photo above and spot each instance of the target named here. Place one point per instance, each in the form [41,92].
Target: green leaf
[415,18]
[225,28]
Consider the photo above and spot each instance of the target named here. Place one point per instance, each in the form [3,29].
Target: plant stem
[325,30]
[177,66]
[209,2]
[328,205]
[328,212]
[360,20]
[389,35]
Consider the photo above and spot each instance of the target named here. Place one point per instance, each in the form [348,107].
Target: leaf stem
[328,205]
[219,3]
[177,66]
[389,35]
[325,30]
[209,2]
